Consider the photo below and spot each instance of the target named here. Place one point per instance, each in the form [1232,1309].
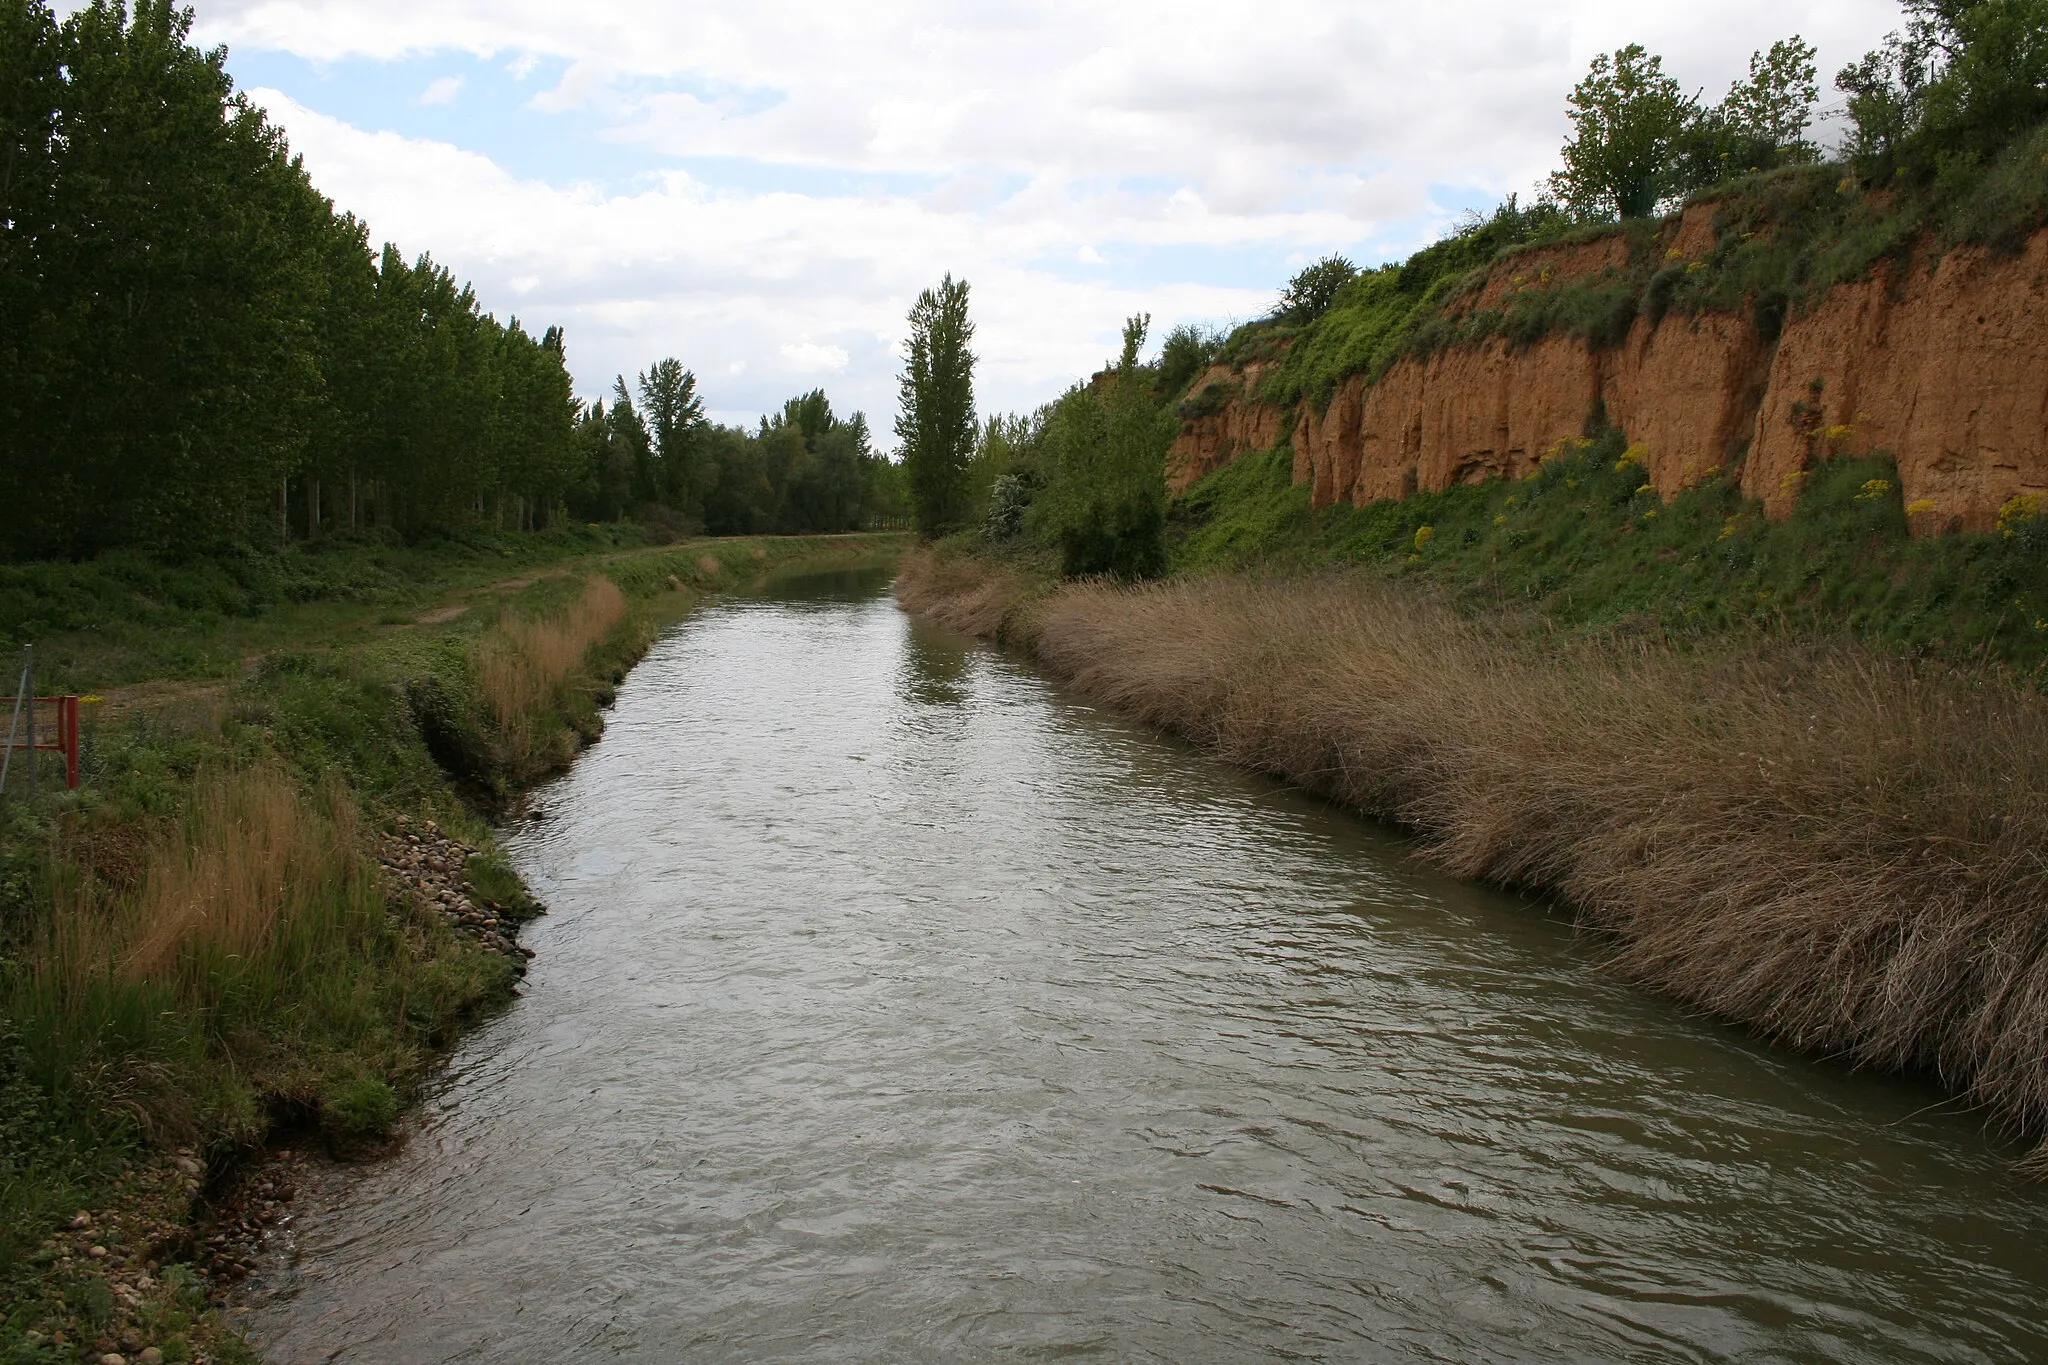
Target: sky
[760,188]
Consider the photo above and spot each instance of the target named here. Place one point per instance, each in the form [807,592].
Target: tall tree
[936,422]
[1626,117]
[675,420]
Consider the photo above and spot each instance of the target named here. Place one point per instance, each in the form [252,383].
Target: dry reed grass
[1843,850]
[961,593]
[521,667]
[253,861]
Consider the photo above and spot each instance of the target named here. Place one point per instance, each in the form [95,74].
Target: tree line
[198,350]
[803,469]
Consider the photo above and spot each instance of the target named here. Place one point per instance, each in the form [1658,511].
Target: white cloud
[441,91]
[1077,162]
[807,357]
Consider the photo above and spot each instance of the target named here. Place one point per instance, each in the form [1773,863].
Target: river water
[896,1007]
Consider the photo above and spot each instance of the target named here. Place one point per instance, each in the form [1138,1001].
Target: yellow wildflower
[1422,538]
[1874,488]
[2019,510]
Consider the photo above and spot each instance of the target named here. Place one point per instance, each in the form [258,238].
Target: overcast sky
[760,187]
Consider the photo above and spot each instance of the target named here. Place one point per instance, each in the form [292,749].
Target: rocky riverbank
[431,867]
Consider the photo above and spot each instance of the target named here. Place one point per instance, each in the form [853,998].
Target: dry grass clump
[521,667]
[239,910]
[960,593]
[253,859]
[1847,851]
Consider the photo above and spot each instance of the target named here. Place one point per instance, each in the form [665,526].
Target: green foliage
[1380,314]
[1627,117]
[936,423]
[1186,352]
[1309,294]
[1946,94]
[363,1108]
[1106,442]
[196,350]
[1760,126]
[805,470]
[1585,546]
[674,470]
[1639,142]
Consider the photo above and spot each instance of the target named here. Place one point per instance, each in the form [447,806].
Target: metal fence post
[28,669]
[14,723]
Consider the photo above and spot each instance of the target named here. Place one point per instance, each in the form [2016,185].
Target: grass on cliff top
[1585,545]
[1782,240]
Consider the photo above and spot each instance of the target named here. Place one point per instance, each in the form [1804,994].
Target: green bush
[366,1107]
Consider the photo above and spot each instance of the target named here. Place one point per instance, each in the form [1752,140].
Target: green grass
[1584,546]
[127,616]
[336,1017]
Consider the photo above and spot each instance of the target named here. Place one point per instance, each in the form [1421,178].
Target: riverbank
[275,901]
[1836,847]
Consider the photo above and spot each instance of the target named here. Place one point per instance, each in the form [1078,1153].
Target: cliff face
[1235,422]
[1944,366]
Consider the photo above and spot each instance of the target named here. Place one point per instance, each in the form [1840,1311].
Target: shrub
[366,1107]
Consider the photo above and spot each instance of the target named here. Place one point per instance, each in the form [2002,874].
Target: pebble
[150,1356]
[430,865]
[112,1358]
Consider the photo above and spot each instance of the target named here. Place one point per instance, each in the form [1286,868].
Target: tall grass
[254,920]
[1845,850]
[524,668]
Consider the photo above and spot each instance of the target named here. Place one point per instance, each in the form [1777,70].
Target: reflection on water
[896,1007]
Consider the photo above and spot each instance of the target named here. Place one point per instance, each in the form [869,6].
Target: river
[895,1006]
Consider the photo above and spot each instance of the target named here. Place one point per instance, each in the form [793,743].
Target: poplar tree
[936,423]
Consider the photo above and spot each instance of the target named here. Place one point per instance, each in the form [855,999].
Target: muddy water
[896,1007]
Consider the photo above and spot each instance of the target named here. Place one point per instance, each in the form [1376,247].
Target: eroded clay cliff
[1943,364]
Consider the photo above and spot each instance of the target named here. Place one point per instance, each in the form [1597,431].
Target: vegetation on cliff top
[1945,146]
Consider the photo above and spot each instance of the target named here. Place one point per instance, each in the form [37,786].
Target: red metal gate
[66,741]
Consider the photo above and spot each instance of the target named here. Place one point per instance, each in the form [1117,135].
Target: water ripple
[896,1007]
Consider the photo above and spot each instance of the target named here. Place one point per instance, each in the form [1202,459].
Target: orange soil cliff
[1945,367]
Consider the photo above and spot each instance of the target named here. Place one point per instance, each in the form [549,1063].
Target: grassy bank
[1586,545]
[1838,846]
[201,947]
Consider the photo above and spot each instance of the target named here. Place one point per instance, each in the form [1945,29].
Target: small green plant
[364,1108]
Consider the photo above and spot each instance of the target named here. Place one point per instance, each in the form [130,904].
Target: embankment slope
[1839,849]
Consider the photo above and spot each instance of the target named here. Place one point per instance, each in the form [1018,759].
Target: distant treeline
[804,469]
[197,350]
